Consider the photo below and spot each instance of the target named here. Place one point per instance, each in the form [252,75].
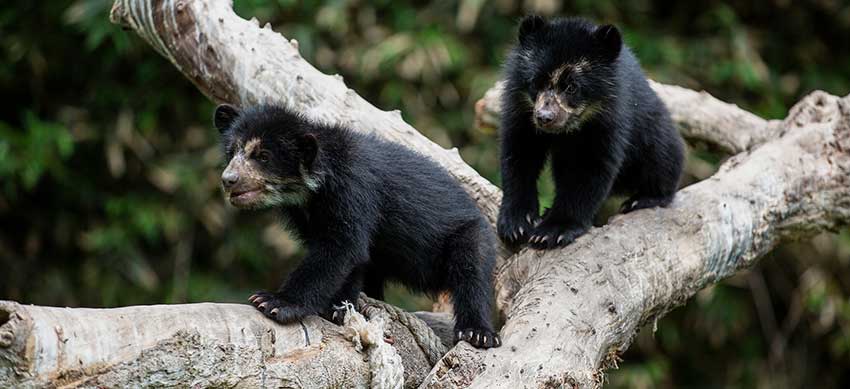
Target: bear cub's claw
[275,308]
[336,314]
[478,337]
[516,230]
[634,203]
[547,236]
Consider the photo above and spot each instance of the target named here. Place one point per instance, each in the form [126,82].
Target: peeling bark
[569,313]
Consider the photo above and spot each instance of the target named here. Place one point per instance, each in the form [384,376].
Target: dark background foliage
[109,164]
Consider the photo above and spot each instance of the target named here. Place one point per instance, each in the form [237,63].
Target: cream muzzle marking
[248,187]
[549,101]
[256,190]
[567,118]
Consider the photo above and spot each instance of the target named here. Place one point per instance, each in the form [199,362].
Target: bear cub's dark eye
[262,157]
[571,88]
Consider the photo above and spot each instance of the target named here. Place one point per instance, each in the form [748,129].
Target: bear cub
[575,94]
[366,210]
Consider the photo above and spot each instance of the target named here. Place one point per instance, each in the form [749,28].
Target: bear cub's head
[270,154]
[568,69]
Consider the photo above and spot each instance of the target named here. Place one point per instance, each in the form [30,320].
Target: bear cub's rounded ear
[609,40]
[529,26]
[309,146]
[224,116]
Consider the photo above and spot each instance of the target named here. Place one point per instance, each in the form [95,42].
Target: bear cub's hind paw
[336,314]
[634,203]
[478,337]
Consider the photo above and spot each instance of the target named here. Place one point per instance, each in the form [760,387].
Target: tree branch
[219,345]
[569,312]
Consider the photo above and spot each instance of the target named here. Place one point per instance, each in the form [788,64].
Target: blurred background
[109,165]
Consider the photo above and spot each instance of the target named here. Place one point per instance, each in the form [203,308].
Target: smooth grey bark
[569,312]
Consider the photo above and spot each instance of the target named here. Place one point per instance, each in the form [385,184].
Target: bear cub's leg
[350,292]
[659,174]
[470,260]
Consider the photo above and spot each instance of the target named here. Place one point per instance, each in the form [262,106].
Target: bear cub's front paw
[549,235]
[273,306]
[478,337]
[515,230]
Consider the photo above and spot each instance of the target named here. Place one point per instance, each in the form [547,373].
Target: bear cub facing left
[366,210]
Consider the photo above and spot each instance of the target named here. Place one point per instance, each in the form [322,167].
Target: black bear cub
[367,211]
[576,95]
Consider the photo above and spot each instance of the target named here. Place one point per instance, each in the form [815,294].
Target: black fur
[625,145]
[380,212]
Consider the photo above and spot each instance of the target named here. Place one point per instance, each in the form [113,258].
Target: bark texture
[569,313]
[203,345]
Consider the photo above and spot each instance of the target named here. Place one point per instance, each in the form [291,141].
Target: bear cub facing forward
[575,94]
[367,211]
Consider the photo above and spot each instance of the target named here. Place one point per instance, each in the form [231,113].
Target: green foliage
[109,166]
[25,156]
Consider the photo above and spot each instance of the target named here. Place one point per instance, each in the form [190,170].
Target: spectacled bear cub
[366,209]
[574,93]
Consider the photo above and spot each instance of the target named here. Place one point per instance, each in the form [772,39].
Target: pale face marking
[250,145]
[574,68]
[555,76]
[272,187]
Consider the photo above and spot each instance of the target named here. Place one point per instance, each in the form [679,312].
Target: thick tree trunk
[569,313]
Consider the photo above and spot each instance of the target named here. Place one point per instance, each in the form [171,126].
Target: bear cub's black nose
[544,117]
[228,180]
